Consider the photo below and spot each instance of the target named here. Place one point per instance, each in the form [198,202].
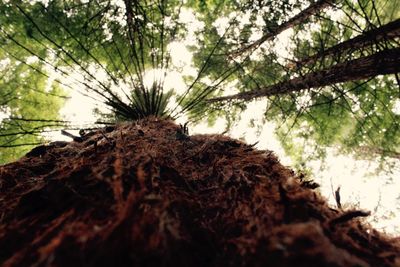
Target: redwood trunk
[385,62]
[388,31]
[376,151]
[298,19]
[141,194]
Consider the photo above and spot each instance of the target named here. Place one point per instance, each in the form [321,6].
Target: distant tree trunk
[388,31]
[385,62]
[296,20]
[377,151]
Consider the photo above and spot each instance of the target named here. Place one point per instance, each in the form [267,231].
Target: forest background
[314,81]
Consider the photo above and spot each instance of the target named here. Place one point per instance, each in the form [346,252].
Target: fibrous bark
[146,194]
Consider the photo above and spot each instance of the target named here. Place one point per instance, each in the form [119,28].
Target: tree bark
[385,62]
[139,195]
[388,31]
[298,19]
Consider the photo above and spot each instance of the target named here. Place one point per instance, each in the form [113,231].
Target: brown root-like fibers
[144,194]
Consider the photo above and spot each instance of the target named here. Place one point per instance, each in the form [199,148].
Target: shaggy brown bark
[145,194]
[384,62]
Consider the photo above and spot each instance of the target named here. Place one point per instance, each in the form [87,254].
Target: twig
[349,216]
[337,198]
[74,137]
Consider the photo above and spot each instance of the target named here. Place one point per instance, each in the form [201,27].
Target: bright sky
[376,193]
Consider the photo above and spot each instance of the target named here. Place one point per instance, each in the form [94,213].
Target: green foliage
[348,116]
[30,102]
[106,49]
[27,101]
[351,119]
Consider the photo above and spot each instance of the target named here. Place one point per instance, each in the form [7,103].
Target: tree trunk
[385,62]
[296,20]
[377,152]
[146,194]
[386,32]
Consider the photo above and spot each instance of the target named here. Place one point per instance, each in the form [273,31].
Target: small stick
[74,137]
[337,197]
[349,216]
[253,145]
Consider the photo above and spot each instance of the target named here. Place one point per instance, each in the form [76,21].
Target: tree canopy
[328,70]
